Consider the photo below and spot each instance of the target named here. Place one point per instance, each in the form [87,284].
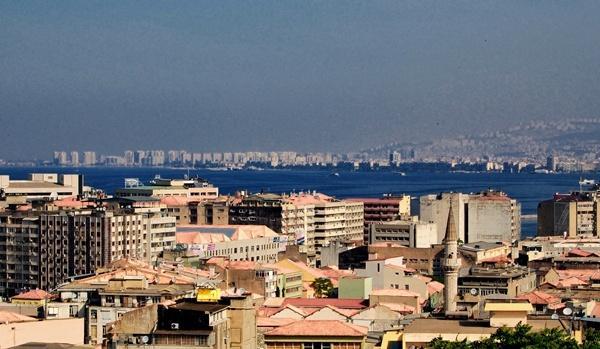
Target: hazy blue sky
[303,75]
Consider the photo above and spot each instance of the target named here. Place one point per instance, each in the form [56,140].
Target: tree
[514,338]
[439,343]
[323,287]
[591,339]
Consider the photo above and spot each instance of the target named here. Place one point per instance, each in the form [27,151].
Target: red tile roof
[539,297]
[36,295]
[319,328]
[577,252]
[272,322]
[7,317]
[434,287]
[399,308]
[340,303]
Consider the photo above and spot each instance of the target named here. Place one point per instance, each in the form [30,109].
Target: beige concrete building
[23,330]
[236,242]
[42,186]
[487,216]
[292,219]
[409,232]
[569,215]
[335,220]
[126,285]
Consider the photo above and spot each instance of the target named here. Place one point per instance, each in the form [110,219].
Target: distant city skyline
[309,76]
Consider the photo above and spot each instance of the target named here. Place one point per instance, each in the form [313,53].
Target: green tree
[514,338]
[591,339]
[439,343]
[323,287]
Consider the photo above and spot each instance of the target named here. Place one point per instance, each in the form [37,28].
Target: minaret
[451,263]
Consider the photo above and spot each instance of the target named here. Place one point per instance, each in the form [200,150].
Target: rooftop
[7,317]
[36,294]
[319,328]
[340,303]
[439,326]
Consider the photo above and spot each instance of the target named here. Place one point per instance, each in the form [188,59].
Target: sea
[528,189]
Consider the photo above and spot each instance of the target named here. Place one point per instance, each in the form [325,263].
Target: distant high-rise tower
[451,264]
[60,158]
[89,158]
[551,163]
[74,158]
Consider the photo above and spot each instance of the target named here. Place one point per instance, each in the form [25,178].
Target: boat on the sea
[334,174]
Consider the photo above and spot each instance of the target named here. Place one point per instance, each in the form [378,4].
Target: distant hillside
[535,140]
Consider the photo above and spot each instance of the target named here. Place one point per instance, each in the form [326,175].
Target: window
[73,311]
[93,314]
[52,311]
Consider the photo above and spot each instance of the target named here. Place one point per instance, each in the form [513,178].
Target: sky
[286,75]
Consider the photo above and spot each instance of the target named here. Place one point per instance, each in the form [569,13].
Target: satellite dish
[554,316]
[567,311]
[145,339]
[473,291]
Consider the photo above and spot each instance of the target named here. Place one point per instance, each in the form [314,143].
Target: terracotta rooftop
[36,294]
[319,328]
[272,322]
[539,297]
[339,303]
[162,275]
[394,292]
[7,317]
[399,308]
[577,252]
[434,287]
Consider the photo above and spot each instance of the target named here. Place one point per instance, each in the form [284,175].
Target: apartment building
[253,277]
[409,232]
[19,254]
[335,220]
[160,224]
[487,216]
[293,220]
[41,249]
[226,323]
[237,242]
[384,209]
[569,215]
[123,286]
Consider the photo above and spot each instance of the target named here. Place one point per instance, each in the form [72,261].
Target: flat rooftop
[438,326]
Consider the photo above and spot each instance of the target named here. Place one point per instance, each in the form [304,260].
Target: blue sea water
[528,189]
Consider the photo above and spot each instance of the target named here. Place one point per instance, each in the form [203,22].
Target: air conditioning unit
[174,325]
